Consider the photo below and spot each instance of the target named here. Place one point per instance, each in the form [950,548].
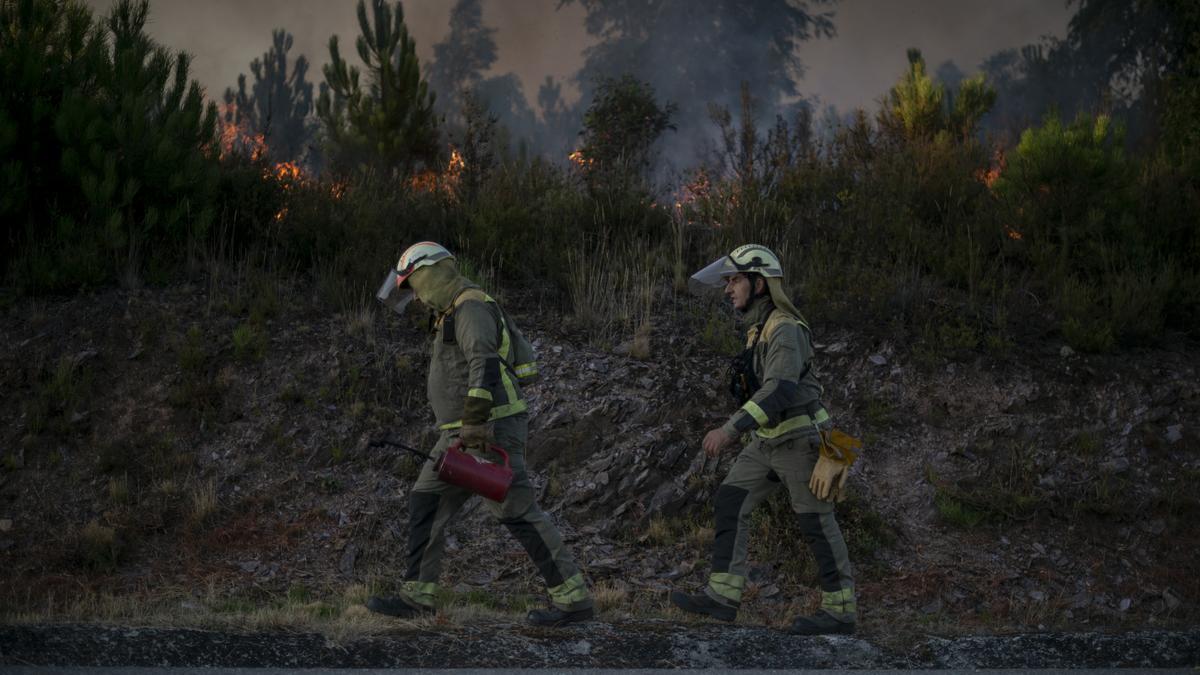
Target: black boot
[397,607]
[554,616]
[821,623]
[700,603]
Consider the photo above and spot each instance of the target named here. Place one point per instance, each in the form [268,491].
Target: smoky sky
[536,38]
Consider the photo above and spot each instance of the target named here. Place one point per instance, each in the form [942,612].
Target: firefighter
[478,361]
[782,413]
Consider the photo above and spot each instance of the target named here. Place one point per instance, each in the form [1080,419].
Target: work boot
[821,623]
[397,607]
[700,603]
[554,617]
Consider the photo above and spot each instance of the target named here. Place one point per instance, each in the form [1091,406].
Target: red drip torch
[484,478]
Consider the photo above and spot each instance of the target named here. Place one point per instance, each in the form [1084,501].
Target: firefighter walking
[782,413]
[478,361]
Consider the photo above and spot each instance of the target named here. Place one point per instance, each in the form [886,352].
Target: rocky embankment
[225,456]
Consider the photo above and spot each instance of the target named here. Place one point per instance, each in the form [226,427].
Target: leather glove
[829,476]
[476,435]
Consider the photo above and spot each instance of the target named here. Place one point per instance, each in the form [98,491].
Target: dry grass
[203,502]
[610,595]
[360,323]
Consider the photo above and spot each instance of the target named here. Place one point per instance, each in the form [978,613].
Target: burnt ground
[196,457]
[594,645]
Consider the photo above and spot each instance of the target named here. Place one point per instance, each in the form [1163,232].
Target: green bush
[107,142]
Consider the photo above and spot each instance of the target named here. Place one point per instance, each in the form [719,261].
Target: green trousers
[433,504]
[761,468]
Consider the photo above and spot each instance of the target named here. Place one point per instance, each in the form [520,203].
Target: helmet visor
[712,276]
[392,295]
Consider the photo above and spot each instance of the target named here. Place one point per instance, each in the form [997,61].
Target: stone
[878,359]
[1066,351]
[1170,599]
[1174,433]
[346,563]
[6,525]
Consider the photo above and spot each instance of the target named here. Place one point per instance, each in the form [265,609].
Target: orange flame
[236,137]
[431,181]
[990,175]
[581,161]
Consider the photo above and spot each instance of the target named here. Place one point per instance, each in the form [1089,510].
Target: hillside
[197,455]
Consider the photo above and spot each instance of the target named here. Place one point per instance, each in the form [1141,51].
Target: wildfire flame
[236,137]
[580,160]
[447,182]
[990,175]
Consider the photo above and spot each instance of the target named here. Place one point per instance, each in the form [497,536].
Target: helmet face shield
[392,295]
[712,276]
[418,256]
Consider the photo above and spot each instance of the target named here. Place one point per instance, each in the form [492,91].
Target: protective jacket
[788,402]
[476,366]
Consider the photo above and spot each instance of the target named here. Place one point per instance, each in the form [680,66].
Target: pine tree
[278,105]
[108,170]
[460,60]
[390,123]
[48,48]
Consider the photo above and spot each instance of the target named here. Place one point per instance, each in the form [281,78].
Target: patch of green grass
[878,412]
[249,343]
[57,394]
[866,532]
[99,547]
[192,351]
[956,512]
[718,334]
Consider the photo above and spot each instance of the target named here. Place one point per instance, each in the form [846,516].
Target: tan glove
[837,454]
[476,435]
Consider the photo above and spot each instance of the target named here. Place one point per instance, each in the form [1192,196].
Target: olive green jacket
[788,400]
[468,381]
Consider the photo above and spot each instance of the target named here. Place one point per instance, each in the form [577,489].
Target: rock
[1081,599]
[1116,465]
[6,525]
[346,564]
[878,359]
[1066,351]
[1174,433]
[1170,599]
[481,579]
[933,607]
[1037,596]
[1156,526]
[249,565]
[1125,604]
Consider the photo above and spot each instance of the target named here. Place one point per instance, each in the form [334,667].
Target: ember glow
[580,160]
[237,138]
[446,182]
[989,176]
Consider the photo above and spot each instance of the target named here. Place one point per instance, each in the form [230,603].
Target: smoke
[539,38]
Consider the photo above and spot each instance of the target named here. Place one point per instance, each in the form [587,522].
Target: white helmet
[395,291]
[747,259]
[418,256]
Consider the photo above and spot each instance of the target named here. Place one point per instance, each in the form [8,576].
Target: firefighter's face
[737,288]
